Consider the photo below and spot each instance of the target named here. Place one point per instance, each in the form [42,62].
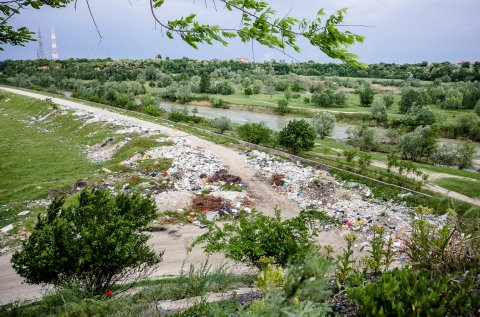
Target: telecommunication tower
[54,46]
[40,51]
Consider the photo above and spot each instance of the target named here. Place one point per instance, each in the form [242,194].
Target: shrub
[248,91]
[366,96]
[412,97]
[218,103]
[297,136]
[303,292]
[419,116]
[465,154]
[183,93]
[388,101]
[252,237]
[477,108]
[324,123]
[282,107]
[329,98]
[418,144]
[222,124]
[177,116]
[255,133]
[153,110]
[379,112]
[445,249]
[306,100]
[363,137]
[147,100]
[468,125]
[222,88]
[414,293]
[453,99]
[96,243]
[445,154]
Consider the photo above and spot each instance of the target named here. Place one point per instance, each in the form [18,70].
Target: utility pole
[54,46]
[40,51]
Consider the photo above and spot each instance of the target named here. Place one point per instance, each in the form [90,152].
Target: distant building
[242,59]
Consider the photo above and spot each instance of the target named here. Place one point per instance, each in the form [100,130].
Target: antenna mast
[54,46]
[40,51]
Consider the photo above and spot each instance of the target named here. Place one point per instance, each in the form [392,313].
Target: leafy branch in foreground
[260,23]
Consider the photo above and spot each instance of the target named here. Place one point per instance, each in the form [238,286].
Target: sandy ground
[175,239]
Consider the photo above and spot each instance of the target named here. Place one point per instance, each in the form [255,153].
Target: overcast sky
[405,31]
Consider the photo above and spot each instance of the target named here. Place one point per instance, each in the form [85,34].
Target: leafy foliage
[258,23]
[252,237]
[96,243]
[418,144]
[329,98]
[303,292]
[257,133]
[363,137]
[415,293]
[412,97]
[324,124]
[366,96]
[297,136]
[282,107]
[443,249]
[222,124]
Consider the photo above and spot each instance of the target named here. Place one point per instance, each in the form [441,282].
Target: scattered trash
[6,228]
[208,202]
[223,176]
[24,213]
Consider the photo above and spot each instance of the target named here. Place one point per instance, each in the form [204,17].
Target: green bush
[477,108]
[324,123]
[177,116]
[254,236]
[282,107]
[329,98]
[153,110]
[222,124]
[366,96]
[218,103]
[388,101]
[412,97]
[418,144]
[257,133]
[363,137]
[297,136]
[95,243]
[411,292]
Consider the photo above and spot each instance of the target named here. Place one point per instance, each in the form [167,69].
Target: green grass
[154,165]
[462,186]
[40,157]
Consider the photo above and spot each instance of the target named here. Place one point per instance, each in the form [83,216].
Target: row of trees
[107,69]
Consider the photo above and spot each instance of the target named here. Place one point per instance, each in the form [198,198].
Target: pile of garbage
[352,205]
[190,166]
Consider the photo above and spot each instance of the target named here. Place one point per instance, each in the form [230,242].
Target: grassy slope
[32,163]
[41,157]
[462,186]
